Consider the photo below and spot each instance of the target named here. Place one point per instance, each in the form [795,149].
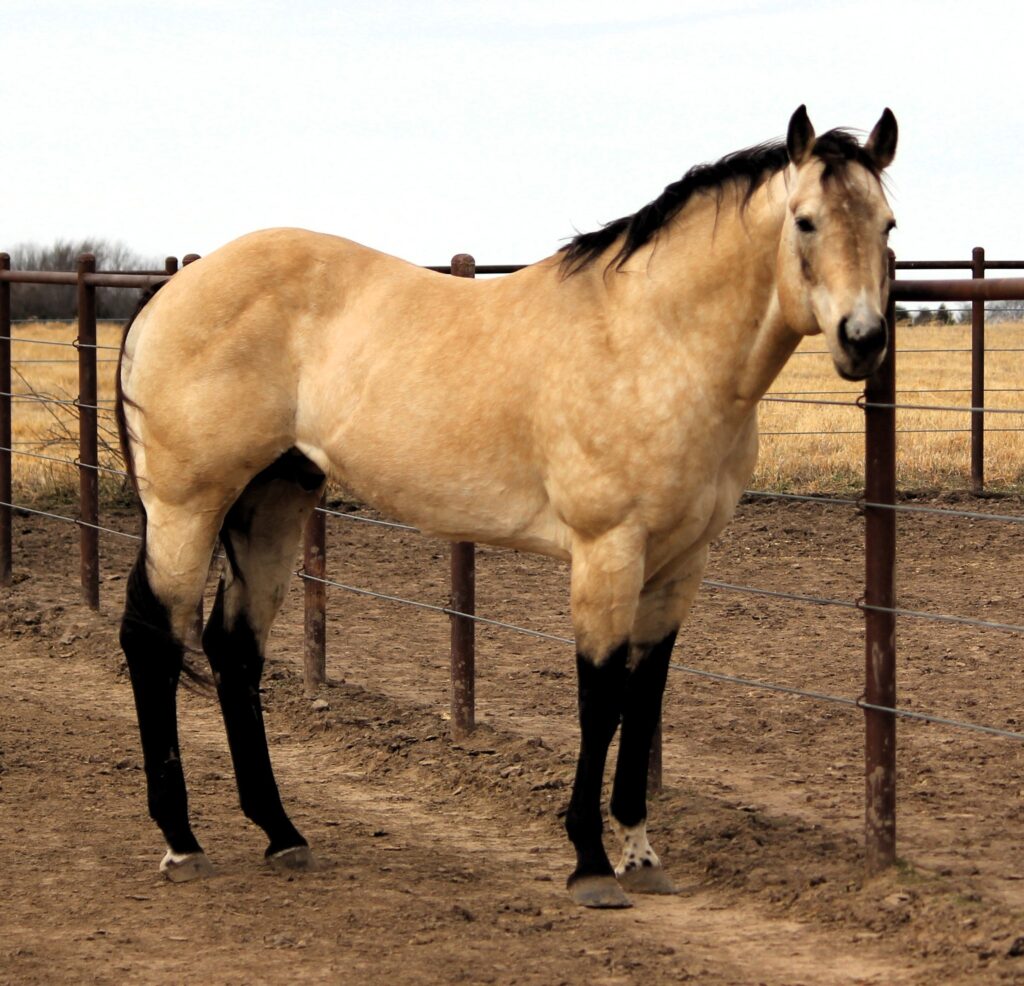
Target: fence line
[70,520]
[857,703]
[878,607]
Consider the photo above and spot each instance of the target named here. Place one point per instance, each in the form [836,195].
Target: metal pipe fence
[879,505]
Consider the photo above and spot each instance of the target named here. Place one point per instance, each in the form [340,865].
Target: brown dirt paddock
[445,863]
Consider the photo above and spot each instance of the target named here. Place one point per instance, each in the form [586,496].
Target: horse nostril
[862,338]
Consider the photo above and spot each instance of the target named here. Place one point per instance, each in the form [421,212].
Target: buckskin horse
[599,406]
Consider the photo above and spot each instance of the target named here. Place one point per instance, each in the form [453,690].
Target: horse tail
[122,400]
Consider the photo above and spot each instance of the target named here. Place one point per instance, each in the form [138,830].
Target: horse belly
[446,487]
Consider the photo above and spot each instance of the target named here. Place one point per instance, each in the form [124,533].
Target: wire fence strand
[695,672]
[60,402]
[69,520]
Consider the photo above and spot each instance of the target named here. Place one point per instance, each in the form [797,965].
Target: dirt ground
[445,862]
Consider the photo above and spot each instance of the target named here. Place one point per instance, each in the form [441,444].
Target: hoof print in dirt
[598,891]
[295,860]
[181,869]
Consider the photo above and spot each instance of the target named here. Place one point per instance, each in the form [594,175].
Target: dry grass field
[807,447]
[43,369]
[820,447]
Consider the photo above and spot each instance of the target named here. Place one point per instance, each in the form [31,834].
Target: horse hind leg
[163,589]
[260,535]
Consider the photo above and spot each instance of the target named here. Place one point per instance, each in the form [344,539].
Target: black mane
[751,168]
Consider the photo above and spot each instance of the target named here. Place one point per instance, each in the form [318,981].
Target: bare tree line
[57,301]
[960,313]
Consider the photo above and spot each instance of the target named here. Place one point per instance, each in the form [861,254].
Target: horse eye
[805,225]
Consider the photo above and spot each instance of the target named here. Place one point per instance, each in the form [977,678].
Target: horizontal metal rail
[98,279]
[969,289]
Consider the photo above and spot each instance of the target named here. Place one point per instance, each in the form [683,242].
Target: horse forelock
[837,149]
[749,168]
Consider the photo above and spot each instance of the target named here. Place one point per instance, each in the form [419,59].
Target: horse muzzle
[863,340]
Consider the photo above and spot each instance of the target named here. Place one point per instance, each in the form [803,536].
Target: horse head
[832,270]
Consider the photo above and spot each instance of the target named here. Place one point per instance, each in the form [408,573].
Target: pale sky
[494,128]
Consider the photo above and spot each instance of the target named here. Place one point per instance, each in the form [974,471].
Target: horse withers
[599,406]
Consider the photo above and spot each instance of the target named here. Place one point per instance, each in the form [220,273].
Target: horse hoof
[180,868]
[647,880]
[292,860]
[598,891]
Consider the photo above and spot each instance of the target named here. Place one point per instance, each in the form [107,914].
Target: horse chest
[699,501]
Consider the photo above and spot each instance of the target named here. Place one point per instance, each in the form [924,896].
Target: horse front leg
[639,870]
[663,607]
[606,578]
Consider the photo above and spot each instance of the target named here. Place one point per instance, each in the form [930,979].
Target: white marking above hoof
[598,891]
[182,867]
[292,860]
[636,850]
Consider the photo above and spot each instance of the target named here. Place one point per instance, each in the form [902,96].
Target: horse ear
[881,145]
[800,137]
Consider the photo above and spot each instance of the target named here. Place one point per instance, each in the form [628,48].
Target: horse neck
[712,279]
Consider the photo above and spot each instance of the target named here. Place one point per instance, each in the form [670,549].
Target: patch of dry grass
[47,367]
[806,447]
[933,367]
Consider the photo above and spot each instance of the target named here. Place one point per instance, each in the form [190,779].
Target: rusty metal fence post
[978,378]
[88,474]
[879,590]
[463,600]
[314,564]
[6,540]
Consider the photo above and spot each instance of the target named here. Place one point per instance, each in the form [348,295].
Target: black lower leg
[600,696]
[238,665]
[641,712]
[154,663]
